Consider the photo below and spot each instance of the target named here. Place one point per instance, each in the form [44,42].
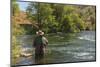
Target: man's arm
[45,41]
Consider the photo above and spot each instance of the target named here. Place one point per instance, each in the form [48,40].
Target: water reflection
[39,56]
[39,60]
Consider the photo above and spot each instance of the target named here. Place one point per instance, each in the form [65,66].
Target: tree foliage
[62,18]
[16,30]
[15,7]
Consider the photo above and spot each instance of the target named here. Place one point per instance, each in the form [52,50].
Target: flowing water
[61,48]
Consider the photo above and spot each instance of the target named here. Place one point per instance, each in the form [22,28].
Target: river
[77,47]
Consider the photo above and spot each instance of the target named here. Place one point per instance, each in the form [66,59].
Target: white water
[87,37]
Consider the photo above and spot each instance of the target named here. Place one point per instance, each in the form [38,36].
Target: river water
[61,48]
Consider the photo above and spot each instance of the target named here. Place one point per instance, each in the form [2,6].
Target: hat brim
[38,33]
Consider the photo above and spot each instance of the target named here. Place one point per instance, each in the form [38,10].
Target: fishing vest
[40,41]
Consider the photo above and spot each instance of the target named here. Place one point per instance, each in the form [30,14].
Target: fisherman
[40,43]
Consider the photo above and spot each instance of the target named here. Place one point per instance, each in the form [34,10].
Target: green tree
[15,7]
[62,18]
[43,15]
[16,30]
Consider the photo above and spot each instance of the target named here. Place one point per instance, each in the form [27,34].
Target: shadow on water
[60,49]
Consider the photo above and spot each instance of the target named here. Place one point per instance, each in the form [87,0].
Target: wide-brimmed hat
[40,32]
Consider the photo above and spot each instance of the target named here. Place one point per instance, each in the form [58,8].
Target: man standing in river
[40,43]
